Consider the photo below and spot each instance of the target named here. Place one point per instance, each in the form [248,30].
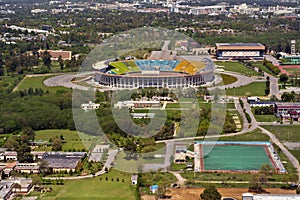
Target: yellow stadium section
[190,67]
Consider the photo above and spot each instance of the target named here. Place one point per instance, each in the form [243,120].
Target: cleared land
[253,89]
[111,189]
[237,67]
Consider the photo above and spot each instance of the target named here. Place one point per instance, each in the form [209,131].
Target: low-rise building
[37,154]
[288,110]
[9,155]
[29,168]
[97,152]
[63,161]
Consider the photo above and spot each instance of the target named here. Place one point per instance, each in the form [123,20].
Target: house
[134,179]
[90,106]
[63,161]
[29,168]
[97,152]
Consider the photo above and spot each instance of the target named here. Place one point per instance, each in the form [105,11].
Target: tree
[29,133]
[46,57]
[56,143]
[210,193]
[61,62]
[283,78]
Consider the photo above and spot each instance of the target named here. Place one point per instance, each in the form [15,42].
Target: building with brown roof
[236,51]
[65,55]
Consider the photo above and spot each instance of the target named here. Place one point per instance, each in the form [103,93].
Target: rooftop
[240,46]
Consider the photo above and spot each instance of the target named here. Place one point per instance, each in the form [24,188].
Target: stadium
[158,72]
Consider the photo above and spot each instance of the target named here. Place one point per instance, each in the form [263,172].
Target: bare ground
[194,193]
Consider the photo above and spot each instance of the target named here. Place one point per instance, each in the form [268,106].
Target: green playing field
[235,157]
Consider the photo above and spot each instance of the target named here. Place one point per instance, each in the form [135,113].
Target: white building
[90,106]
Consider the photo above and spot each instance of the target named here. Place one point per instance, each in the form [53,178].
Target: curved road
[65,80]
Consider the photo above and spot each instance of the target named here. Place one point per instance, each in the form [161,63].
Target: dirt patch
[194,193]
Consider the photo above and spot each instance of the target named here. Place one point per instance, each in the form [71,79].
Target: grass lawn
[71,138]
[253,89]
[262,67]
[285,132]
[237,67]
[37,82]
[230,105]
[255,135]
[266,118]
[227,79]
[93,188]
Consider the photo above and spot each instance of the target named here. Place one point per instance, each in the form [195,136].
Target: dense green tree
[46,57]
[210,193]
[56,143]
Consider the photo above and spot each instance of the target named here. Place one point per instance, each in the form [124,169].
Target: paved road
[274,139]
[65,80]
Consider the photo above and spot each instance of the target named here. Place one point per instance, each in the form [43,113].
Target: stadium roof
[240,46]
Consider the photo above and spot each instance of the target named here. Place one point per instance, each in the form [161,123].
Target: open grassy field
[262,67]
[266,118]
[255,135]
[285,132]
[114,188]
[253,89]
[71,141]
[237,67]
[37,82]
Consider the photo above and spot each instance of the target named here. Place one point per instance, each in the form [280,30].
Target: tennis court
[235,157]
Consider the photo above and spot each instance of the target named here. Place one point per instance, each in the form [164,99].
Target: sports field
[235,157]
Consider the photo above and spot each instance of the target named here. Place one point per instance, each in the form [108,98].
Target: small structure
[37,154]
[153,189]
[247,196]
[90,106]
[134,179]
[180,154]
[97,152]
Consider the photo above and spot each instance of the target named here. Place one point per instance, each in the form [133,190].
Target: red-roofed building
[65,55]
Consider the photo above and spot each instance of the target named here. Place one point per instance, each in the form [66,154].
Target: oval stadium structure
[181,72]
